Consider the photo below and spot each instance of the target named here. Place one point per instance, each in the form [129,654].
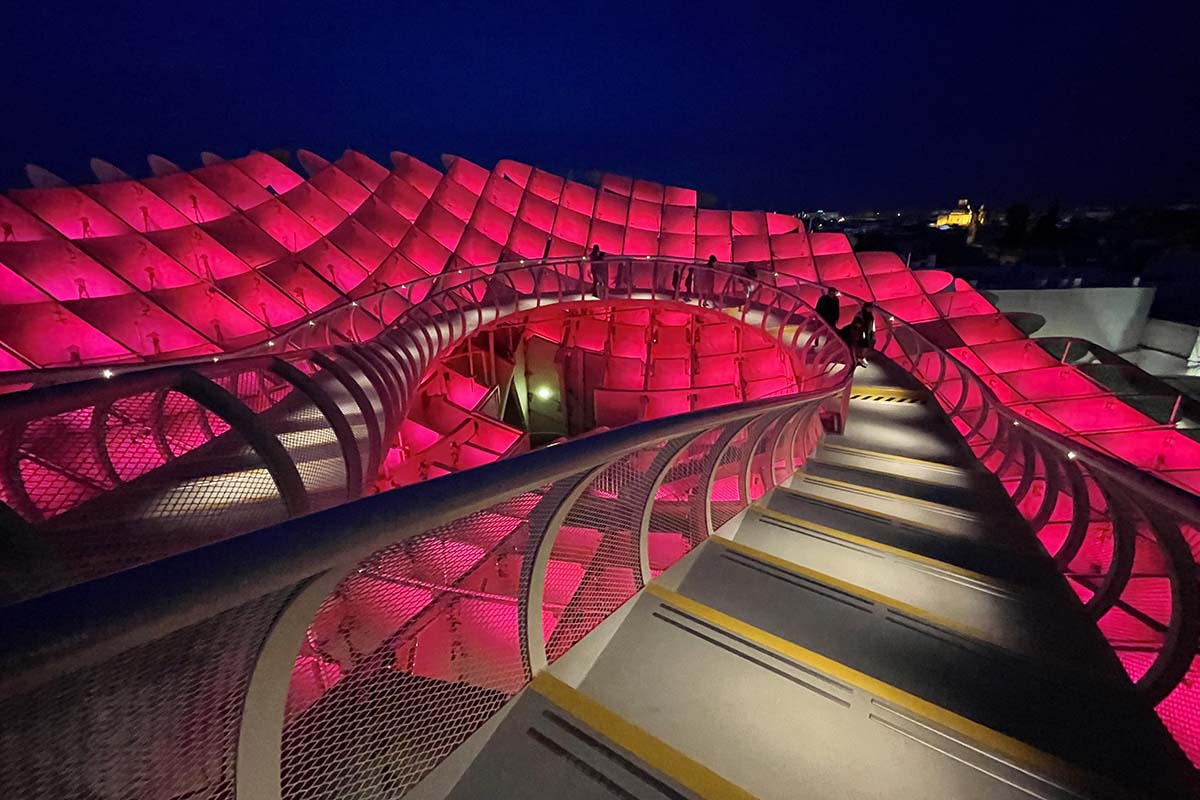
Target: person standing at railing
[828,307]
[689,283]
[676,275]
[751,279]
[859,335]
[599,271]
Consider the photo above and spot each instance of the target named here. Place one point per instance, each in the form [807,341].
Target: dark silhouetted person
[599,271]
[676,274]
[689,282]
[751,277]
[708,282]
[828,308]
[859,335]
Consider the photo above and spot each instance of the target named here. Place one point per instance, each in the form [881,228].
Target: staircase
[883,624]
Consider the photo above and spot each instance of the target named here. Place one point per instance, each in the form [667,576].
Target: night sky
[832,105]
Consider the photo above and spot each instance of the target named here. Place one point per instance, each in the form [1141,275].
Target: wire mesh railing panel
[314,448]
[595,560]
[159,721]
[728,496]
[408,656]
[677,521]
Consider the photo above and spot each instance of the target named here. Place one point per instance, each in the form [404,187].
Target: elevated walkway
[882,625]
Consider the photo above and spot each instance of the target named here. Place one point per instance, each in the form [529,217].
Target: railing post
[662,464]
[544,523]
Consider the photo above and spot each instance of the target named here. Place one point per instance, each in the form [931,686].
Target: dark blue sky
[805,105]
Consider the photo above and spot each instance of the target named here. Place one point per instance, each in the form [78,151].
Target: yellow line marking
[887,391]
[872,490]
[997,743]
[870,512]
[890,474]
[859,591]
[880,546]
[650,749]
[892,456]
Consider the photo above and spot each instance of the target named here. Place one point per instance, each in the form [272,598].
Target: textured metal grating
[728,486]
[158,721]
[597,549]
[411,653]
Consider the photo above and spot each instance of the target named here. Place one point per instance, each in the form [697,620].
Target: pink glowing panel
[502,195]
[71,212]
[964,301]
[545,186]
[640,242]
[312,677]
[353,241]
[402,197]
[716,396]
[563,578]
[455,199]
[717,245]
[268,171]
[576,544]
[415,436]
[678,196]
[933,280]
[1011,356]
[1157,450]
[917,308]
[420,175]
[877,263]
[18,225]
[615,408]
[726,488]
[851,287]
[648,191]
[139,207]
[348,193]
[751,248]
[314,209]
[467,174]
[824,244]
[440,225]
[645,215]
[479,646]
[665,549]
[514,171]
[362,169]
[617,184]
[1096,414]
[667,373]
[1052,382]
[579,198]
[679,219]
[624,373]
[364,614]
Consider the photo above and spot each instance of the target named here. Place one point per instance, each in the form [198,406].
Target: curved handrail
[1110,501]
[361,384]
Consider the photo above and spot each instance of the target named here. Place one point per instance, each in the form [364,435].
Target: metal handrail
[48,636]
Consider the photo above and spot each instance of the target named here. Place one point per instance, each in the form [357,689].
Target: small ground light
[106,373]
[1071,454]
[312,324]
[544,392]
[271,343]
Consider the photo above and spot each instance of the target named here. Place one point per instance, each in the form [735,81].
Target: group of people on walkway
[858,334]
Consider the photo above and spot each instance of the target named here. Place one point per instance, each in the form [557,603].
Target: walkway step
[968,547]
